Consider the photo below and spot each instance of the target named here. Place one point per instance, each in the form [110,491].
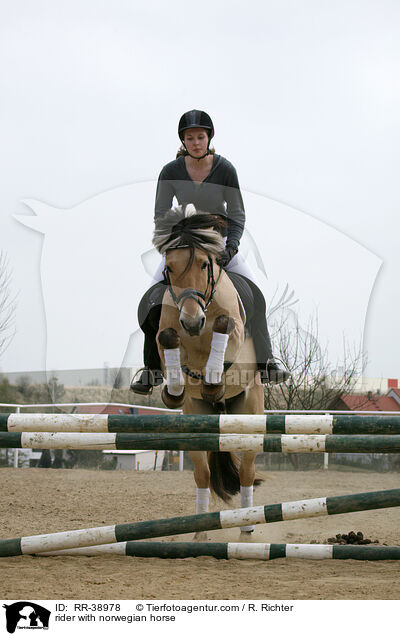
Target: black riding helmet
[196,119]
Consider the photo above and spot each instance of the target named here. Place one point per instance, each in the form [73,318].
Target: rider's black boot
[149,312]
[270,371]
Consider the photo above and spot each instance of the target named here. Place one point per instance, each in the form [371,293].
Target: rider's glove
[227,255]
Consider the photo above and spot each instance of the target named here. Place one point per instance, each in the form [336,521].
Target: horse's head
[191,277]
[190,241]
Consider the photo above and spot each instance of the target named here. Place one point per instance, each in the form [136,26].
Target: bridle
[195,294]
[200,298]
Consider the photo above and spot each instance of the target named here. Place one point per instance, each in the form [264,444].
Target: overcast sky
[305,99]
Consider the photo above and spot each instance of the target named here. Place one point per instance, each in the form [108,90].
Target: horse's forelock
[198,230]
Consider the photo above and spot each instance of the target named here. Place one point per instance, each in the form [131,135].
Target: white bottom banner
[178,617]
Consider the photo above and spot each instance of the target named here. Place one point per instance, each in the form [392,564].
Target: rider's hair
[182,152]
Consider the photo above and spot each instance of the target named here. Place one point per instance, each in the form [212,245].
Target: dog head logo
[25,615]
[92,275]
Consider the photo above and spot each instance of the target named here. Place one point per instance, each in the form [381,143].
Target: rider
[209,181]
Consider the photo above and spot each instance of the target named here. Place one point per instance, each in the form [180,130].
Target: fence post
[17,410]
[326,456]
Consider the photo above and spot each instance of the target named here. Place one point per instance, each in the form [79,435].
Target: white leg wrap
[246,500]
[202,500]
[175,380]
[215,362]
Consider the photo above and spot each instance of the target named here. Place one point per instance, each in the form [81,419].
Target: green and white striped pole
[205,441]
[261,551]
[177,423]
[321,506]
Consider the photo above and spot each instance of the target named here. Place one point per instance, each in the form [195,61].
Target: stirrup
[152,382]
[278,374]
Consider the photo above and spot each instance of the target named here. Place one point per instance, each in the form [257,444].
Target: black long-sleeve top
[219,193]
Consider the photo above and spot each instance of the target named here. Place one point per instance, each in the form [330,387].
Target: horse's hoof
[200,536]
[212,393]
[172,401]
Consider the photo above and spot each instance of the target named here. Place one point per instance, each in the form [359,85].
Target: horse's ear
[190,210]
[220,222]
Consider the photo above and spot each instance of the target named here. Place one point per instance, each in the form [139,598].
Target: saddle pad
[243,288]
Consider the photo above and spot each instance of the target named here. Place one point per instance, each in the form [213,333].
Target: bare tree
[316,382]
[7,304]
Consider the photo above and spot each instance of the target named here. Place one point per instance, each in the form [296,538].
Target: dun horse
[208,359]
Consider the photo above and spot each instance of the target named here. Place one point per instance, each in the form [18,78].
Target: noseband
[194,294]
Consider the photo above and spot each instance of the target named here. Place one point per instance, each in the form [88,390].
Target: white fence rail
[18,408]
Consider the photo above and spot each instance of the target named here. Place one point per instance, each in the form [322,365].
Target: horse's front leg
[173,394]
[213,387]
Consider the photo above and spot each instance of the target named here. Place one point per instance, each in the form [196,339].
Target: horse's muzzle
[193,326]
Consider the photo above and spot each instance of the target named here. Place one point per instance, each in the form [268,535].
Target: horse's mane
[184,226]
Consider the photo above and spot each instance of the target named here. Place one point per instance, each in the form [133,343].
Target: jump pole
[261,551]
[177,423]
[205,441]
[322,506]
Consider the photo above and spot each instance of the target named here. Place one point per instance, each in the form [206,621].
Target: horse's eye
[204,266]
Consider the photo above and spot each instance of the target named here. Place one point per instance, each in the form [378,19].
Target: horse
[207,355]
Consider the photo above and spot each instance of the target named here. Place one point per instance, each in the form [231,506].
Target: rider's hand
[227,255]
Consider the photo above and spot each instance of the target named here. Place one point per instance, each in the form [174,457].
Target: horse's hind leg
[201,470]
[252,402]
[202,479]
[247,475]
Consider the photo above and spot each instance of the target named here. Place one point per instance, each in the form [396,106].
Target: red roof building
[369,402]
[395,394]
[110,409]
[114,409]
